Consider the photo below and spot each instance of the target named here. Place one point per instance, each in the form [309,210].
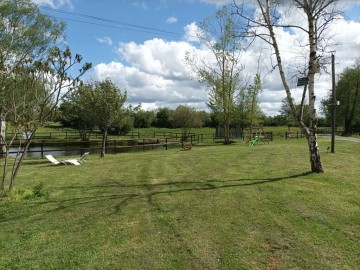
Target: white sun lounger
[82,158]
[63,161]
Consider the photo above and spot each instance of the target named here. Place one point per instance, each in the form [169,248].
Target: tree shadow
[139,191]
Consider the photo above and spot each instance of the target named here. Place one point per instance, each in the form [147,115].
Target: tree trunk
[103,145]
[5,170]
[315,160]
[3,151]
[227,132]
[2,134]
[17,165]
[314,152]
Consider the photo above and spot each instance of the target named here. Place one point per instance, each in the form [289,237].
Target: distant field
[212,207]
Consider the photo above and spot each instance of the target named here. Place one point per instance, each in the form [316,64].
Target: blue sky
[140,45]
[121,21]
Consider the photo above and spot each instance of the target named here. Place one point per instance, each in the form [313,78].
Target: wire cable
[125,26]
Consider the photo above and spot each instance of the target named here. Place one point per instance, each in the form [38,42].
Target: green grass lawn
[212,207]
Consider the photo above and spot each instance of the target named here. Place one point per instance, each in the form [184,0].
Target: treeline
[347,100]
[183,116]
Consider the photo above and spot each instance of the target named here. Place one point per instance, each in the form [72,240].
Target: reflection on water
[70,150]
[56,151]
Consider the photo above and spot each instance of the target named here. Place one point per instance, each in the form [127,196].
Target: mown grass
[213,207]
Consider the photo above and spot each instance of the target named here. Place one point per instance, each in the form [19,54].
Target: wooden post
[42,149]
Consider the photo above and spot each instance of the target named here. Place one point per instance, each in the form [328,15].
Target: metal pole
[333,104]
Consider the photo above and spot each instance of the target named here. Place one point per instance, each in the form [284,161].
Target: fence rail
[112,147]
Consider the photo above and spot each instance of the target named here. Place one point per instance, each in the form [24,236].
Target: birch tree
[317,16]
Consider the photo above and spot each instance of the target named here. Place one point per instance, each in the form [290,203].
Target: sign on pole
[302,81]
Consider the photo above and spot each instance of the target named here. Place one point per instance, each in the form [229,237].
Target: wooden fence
[112,147]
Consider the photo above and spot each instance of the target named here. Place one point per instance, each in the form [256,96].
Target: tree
[76,111]
[317,17]
[142,118]
[204,118]
[286,114]
[222,74]
[186,118]
[251,102]
[26,35]
[34,74]
[348,94]
[163,118]
[326,108]
[102,105]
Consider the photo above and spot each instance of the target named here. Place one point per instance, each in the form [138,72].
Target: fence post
[42,149]
[166,145]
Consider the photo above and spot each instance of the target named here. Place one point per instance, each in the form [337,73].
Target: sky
[141,45]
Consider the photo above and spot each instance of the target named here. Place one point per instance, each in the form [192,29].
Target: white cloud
[54,3]
[218,2]
[172,19]
[157,57]
[191,32]
[105,40]
[140,4]
[155,75]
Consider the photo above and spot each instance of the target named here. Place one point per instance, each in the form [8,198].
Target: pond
[59,150]
[56,151]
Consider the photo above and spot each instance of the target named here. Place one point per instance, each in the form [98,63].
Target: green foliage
[37,192]
[348,94]
[220,35]
[99,104]
[25,32]
[252,111]
[288,117]
[143,119]
[21,194]
[106,102]
[163,118]
[186,118]
[34,73]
